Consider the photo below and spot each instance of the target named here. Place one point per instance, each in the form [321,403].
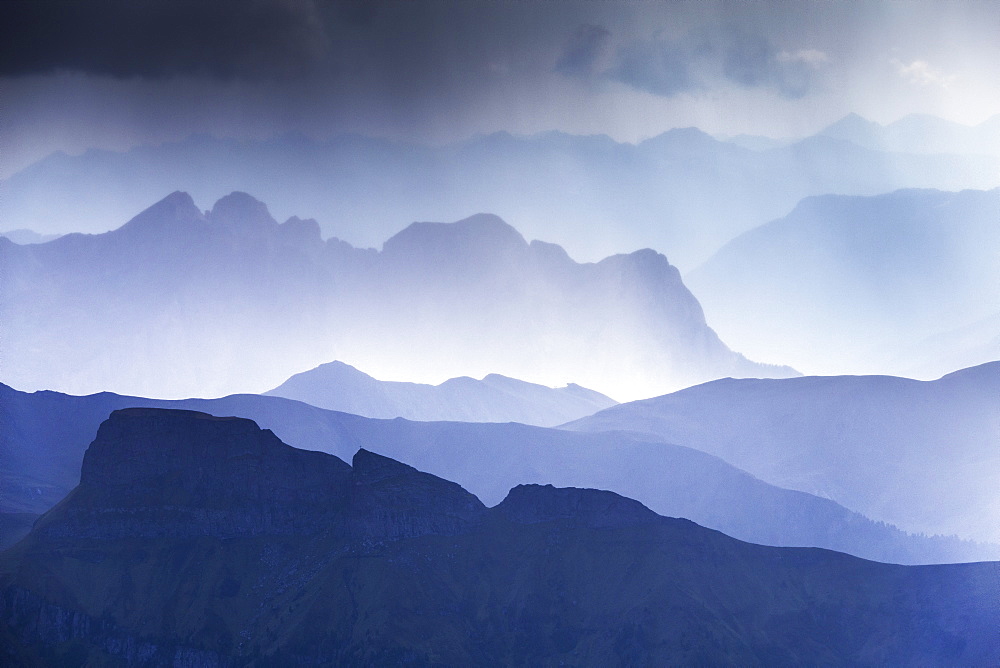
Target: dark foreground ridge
[206,541]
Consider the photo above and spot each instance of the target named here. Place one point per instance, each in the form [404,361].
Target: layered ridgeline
[682,192]
[921,455]
[341,387]
[41,457]
[178,302]
[919,133]
[204,541]
[863,284]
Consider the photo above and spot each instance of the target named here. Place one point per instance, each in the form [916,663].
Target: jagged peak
[301,232]
[240,209]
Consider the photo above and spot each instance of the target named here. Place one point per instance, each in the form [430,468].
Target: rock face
[178,302]
[389,565]
[153,473]
[495,398]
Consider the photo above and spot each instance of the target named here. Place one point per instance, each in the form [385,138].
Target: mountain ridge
[40,462]
[409,567]
[886,446]
[236,301]
[495,398]
[596,196]
[857,284]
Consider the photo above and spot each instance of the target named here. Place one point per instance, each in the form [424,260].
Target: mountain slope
[341,387]
[178,303]
[846,283]
[41,460]
[386,564]
[920,455]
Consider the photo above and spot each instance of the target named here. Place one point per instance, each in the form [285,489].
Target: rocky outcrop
[154,472]
[530,504]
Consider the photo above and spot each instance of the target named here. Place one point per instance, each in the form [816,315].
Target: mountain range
[861,284]
[919,133]
[198,540]
[921,455]
[340,387]
[179,302]
[681,192]
[41,458]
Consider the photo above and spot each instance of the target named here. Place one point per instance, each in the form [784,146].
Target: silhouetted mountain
[681,192]
[495,398]
[853,283]
[919,133]
[40,462]
[921,455]
[178,302]
[382,565]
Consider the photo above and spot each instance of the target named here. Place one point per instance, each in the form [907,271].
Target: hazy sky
[114,73]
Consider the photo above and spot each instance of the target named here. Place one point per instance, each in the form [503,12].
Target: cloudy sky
[115,73]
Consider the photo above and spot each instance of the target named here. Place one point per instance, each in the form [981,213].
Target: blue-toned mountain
[682,192]
[41,458]
[495,398]
[180,302]
[920,454]
[289,557]
[860,284]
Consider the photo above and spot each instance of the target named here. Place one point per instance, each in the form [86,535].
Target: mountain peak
[238,209]
[681,139]
[531,504]
[477,234]
[176,208]
[852,127]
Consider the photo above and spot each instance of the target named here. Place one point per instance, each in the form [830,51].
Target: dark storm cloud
[703,59]
[159,38]
[586,47]
[750,60]
[657,66]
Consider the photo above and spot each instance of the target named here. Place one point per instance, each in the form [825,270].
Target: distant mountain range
[200,540]
[861,284]
[921,134]
[178,302]
[340,387]
[681,192]
[40,460]
[920,455]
